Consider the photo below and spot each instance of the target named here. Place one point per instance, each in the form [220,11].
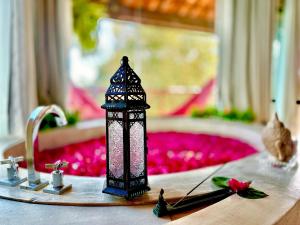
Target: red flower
[236,185]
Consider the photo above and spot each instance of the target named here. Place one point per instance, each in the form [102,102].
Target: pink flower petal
[169,152]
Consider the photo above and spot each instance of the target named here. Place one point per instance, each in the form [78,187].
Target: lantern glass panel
[115,144]
[137,148]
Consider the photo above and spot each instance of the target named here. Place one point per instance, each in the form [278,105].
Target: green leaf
[86,14]
[50,122]
[252,193]
[221,181]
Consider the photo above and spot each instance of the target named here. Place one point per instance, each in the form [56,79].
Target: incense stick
[205,179]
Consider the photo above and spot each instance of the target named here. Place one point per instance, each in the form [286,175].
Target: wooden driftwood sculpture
[278,140]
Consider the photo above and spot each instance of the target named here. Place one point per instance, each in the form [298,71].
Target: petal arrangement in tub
[168,152]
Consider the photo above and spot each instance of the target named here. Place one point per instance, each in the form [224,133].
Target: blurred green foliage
[49,121]
[233,114]
[85,16]
[163,58]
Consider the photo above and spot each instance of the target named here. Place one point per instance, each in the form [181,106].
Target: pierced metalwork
[116,184]
[125,90]
[136,115]
[115,115]
[136,183]
[125,102]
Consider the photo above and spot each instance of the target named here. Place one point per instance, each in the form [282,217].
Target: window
[174,63]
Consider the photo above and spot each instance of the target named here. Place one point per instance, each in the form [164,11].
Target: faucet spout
[31,141]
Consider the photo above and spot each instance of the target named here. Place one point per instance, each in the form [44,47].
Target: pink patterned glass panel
[136,149]
[115,143]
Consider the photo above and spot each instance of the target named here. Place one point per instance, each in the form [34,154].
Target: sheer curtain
[287,64]
[53,39]
[245,29]
[4,64]
[23,95]
[41,34]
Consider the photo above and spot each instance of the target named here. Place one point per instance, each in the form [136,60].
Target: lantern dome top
[125,90]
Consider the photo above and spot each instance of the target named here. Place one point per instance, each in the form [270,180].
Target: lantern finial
[124,60]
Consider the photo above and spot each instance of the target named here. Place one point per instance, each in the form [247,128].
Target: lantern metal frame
[125,103]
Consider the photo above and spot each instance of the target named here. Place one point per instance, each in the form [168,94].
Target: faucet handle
[12,161]
[57,165]
[13,178]
[57,185]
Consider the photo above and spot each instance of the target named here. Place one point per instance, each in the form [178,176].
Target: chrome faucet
[31,142]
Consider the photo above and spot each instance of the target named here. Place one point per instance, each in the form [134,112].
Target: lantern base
[128,194]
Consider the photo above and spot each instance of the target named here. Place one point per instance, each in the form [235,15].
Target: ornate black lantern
[126,141]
